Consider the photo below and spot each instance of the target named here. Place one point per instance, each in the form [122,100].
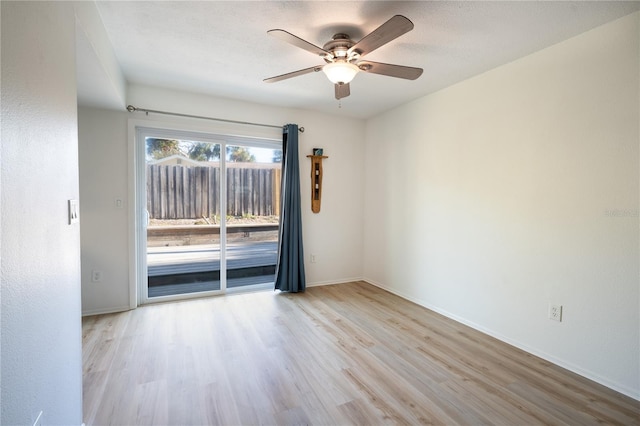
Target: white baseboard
[106,311]
[331,282]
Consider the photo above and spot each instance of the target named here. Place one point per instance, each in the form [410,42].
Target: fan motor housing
[339,45]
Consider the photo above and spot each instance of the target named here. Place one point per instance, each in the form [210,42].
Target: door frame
[222,134]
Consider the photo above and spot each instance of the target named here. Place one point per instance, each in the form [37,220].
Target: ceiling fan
[343,56]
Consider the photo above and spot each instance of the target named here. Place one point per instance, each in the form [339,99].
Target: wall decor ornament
[316,178]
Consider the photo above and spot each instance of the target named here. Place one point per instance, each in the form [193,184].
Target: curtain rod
[131,108]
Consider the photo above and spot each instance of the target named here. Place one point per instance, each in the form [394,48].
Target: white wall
[101,83]
[518,188]
[102,137]
[41,333]
[334,235]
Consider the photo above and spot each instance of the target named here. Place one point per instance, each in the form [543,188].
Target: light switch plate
[74,212]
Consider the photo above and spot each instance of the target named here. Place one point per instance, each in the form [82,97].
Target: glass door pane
[253,210]
[183,204]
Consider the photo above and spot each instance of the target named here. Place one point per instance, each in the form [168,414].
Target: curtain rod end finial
[131,108]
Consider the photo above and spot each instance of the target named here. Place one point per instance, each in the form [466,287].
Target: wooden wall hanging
[316,181]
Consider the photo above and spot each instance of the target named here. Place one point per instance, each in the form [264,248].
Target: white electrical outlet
[96,276]
[312,258]
[555,312]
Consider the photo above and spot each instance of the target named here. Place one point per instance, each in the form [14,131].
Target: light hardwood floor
[334,355]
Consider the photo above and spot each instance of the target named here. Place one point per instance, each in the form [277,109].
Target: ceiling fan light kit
[343,56]
[340,72]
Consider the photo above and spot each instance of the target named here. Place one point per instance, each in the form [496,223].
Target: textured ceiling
[222,48]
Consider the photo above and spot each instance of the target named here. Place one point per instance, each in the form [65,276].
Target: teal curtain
[290,265]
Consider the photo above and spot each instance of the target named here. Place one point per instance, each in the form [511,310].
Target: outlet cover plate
[555,312]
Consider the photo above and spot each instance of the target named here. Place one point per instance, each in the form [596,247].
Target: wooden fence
[177,192]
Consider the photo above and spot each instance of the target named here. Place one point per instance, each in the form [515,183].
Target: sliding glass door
[188,247]
[183,204]
[253,204]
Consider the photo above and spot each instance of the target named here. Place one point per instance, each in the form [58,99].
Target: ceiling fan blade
[298,42]
[399,71]
[382,35]
[342,90]
[293,74]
